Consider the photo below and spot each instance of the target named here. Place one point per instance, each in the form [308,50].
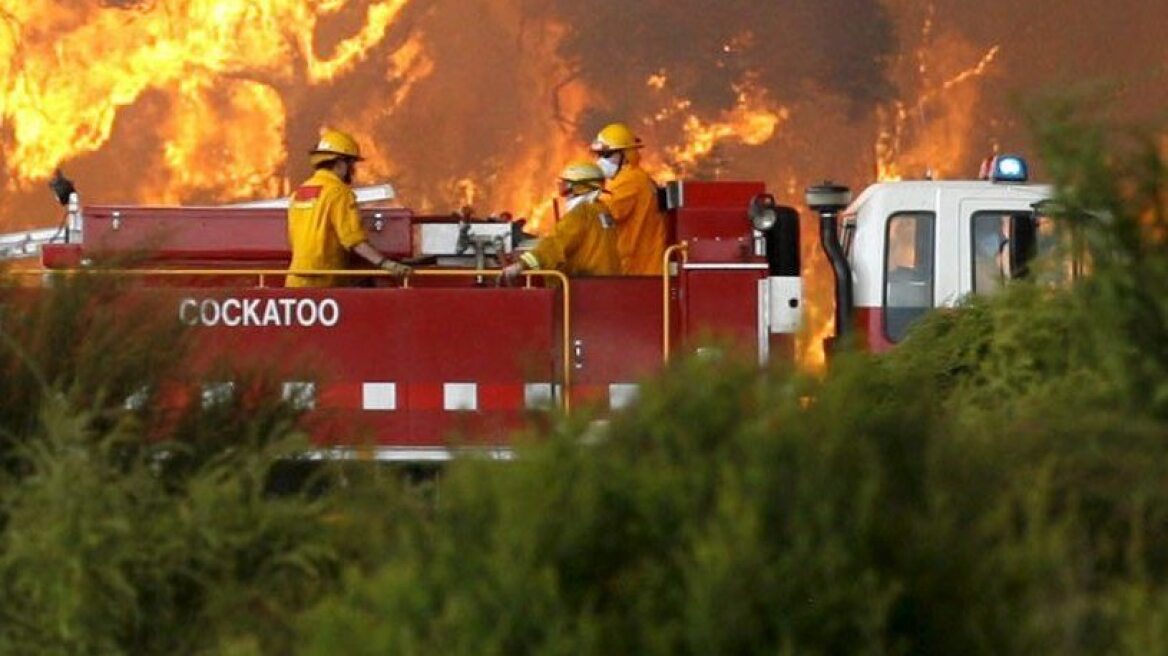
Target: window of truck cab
[909,264]
[990,240]
[991,243]
[847,232]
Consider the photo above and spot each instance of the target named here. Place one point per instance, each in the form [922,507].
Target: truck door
[909,270]
[985,243]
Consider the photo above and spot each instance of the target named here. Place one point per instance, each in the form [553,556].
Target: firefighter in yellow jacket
[584,240]
[323,222]
[632,200]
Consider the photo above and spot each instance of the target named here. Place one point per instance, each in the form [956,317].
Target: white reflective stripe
[539,396]
[217,393]
[460,396]
[300,394]
[530,260]
[409,454]
[729,266]
[379,396]
[622,395]
[764,321]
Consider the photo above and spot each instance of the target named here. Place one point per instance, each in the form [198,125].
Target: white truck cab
[910,246]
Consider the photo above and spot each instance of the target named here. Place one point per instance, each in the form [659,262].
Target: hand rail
[666,258]
[261,274]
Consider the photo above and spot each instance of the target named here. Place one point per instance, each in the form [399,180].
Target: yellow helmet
[616,136]
[583,174]
[334,144]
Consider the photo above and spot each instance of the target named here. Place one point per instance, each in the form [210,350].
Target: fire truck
[450,357]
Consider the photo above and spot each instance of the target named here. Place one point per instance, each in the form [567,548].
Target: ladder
[368,194]
[26,244]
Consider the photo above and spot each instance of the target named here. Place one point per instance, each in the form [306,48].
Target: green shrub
[150,530]
[994,485]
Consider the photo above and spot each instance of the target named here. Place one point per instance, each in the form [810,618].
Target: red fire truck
[451,351]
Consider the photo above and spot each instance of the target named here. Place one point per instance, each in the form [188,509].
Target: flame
[378,18]
[929,135]
[233,155]
[66,79]
[482,101]
[405,68]
[526,184]
[408,65]
[887,147]
[752,121]
[223,92]
[468,192]
[943,144]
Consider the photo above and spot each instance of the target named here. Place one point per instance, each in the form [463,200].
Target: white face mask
[608,166]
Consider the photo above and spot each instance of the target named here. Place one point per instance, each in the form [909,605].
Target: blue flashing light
[1009,168]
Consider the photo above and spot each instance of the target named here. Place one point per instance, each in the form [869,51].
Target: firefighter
[323,223]
[584,240]
[632,200]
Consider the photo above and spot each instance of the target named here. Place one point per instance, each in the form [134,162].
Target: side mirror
[1023,243]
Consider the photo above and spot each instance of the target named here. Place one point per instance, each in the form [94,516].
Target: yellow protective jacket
[632,201]
[582,244]
[323,224]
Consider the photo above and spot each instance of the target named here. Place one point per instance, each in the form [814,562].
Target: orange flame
[66,78]
[927,135]
[526,184]
[752,121]
[221,97]
[940,121]
[234,154]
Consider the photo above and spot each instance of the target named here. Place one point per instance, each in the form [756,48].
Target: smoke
[793,48]
[519,87]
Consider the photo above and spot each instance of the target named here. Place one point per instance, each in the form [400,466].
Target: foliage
[994,485]
[134,521]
